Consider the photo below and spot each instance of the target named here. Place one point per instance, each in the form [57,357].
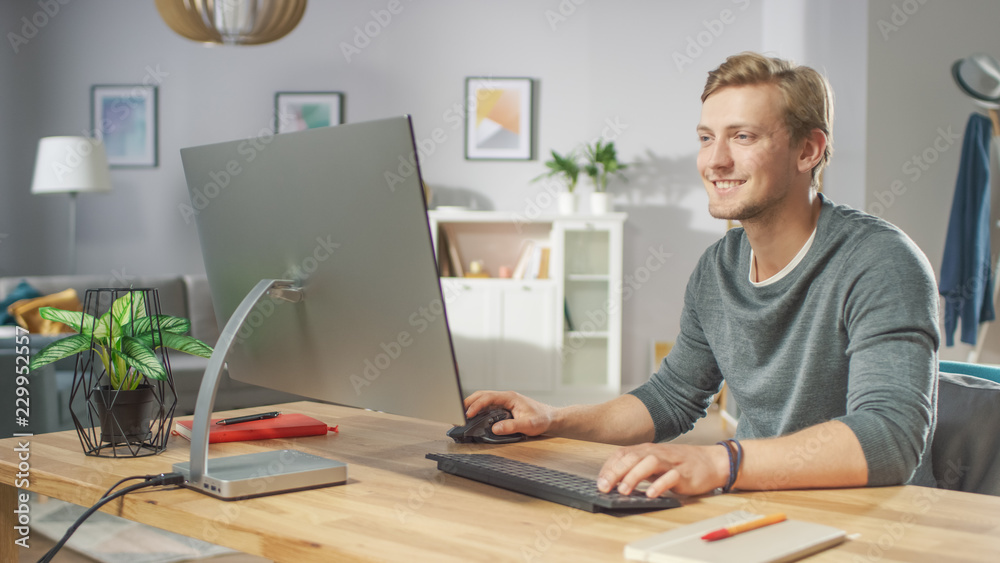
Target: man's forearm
[623,420]
[825,455]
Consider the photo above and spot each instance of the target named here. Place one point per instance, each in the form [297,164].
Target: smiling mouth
[727,184]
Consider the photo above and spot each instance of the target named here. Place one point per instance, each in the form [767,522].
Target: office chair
[978,370]
[965,452]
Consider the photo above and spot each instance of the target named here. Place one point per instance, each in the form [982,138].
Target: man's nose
[720,155]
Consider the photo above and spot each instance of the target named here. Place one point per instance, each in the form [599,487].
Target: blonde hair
[807,95]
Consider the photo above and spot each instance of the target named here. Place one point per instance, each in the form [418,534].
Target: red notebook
[281,426]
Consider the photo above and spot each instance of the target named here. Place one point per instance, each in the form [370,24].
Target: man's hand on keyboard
[683,469]
[530,416]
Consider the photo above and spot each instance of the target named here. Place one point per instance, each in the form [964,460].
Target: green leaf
[103,329]
[71,318]
[59,350]
[128,306]
[165,323]
[141,357]
[181,343]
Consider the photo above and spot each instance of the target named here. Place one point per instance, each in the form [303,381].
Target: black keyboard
[544,483]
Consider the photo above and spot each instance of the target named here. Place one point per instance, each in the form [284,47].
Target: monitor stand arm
[253,474]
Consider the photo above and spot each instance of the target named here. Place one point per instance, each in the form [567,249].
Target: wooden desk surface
[396,506]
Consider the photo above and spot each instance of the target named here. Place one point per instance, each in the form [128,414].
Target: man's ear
[813,148]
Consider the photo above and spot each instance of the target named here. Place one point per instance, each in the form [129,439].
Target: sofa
[185,296]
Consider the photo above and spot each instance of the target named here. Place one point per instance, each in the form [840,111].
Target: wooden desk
[397,506]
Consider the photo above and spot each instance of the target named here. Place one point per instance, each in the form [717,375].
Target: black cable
[150,481]
[115,486]
[144,477]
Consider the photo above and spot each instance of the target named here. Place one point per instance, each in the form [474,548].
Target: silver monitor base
[264,473]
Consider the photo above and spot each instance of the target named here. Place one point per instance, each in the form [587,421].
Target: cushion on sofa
[27,312]
[170,289]
[23,290]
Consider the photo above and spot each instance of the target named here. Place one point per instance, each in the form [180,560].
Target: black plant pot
[124,415]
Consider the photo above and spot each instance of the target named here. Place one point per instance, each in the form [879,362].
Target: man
[822,320]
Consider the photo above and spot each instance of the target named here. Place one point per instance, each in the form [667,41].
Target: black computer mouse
[480,428]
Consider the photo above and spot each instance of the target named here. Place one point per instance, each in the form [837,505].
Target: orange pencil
[722,533]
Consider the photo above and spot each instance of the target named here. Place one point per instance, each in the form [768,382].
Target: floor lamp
[71,165]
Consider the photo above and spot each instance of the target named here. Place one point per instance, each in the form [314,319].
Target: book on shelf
[538,265]
[785,541]
[456,259]
[282,426]
[523,260]
[543,263]
[443,254]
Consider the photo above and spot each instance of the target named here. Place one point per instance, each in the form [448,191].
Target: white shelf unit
[556,339]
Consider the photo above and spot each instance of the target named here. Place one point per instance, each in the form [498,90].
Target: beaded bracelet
[735,461]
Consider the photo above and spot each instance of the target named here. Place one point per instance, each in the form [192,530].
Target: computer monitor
[339,214]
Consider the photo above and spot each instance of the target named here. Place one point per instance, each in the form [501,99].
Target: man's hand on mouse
[530,417]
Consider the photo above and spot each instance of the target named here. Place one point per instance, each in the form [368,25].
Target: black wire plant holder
[113,435]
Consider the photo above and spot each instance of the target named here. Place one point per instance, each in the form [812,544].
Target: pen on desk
[730,531]
[248,418]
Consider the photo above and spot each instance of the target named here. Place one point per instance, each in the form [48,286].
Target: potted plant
[125,338]
[568,169]
[602,160]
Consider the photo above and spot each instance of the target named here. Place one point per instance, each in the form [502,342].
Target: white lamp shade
[71,164]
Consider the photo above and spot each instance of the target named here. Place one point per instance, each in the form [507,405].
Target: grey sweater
[850,334]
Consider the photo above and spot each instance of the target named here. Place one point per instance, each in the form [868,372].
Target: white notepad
[784,541]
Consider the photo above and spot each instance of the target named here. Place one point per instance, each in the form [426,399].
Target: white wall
[915,111]
[640,64]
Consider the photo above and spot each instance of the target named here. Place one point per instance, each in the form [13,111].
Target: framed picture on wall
[124,117]
[499,121]
[298,111]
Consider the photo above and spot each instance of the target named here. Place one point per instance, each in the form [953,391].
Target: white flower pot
[567,203]
[599,203]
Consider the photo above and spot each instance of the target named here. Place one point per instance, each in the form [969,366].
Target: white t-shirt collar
[784,271]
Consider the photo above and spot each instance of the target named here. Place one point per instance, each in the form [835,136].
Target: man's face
[745,160]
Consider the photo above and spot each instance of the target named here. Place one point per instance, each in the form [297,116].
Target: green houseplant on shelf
[126,339]
[602,160]
[566,168]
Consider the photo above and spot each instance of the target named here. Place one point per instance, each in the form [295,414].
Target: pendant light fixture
[232,22]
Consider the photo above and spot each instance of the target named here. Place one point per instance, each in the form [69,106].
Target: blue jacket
[966,271]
